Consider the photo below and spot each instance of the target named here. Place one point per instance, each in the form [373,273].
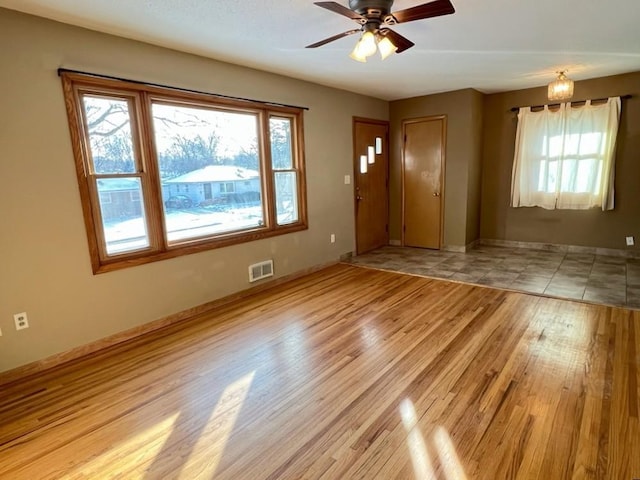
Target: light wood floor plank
[348,373]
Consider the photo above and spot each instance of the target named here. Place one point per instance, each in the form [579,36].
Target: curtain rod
[622,97]
[227,97]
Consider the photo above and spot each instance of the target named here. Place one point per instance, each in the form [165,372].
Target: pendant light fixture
[561,88]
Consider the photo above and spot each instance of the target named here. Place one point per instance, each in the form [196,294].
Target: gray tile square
[575,275]
[513,266]
[576,267]
[607,281]
[471,277]
[605,295]
[609,260]
[565,291]
[440,273]
[453,264]
[569,280]
[633,274]
[580,257]
[530,283]
[416,269]
[498,278]
[475,269]
[609,269]
[633,297]
[540,271]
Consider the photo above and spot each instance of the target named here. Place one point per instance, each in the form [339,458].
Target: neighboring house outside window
[565,158]
[164,172]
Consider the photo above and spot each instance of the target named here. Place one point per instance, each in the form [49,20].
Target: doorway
[371,179]
[423,160]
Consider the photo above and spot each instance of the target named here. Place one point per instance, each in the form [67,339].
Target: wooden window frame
[295,159]
[141,97]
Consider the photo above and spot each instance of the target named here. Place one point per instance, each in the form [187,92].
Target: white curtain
[564,158]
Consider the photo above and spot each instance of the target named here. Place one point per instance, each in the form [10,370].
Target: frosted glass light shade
[368,44]
[386,47]
[365,47]
[357,55]
[561,88]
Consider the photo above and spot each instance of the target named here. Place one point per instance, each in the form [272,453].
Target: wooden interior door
[371,183]
[423,181]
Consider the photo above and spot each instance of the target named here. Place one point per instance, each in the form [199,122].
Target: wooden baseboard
[102,344]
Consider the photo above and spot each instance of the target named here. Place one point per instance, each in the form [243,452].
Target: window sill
[133,260]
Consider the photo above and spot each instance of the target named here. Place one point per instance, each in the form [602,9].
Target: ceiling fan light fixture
[386,47]
[561,88]
[374,17]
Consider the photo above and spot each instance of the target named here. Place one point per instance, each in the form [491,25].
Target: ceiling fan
[374,17]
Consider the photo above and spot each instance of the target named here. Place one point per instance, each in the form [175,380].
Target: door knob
[436,194]
[359,198]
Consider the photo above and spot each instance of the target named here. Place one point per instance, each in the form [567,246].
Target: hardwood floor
[346,373]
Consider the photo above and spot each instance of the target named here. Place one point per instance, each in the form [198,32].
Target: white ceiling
[490,45]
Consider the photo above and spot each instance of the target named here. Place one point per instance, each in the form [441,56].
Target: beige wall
[593,228]
[45,263]
[474,182]
[463,109]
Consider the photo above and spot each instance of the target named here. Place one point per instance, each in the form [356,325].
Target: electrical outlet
[333,238]
[21,320]
[347,179]
[630,242]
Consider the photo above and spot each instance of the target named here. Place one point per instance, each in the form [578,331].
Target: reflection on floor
[593,278]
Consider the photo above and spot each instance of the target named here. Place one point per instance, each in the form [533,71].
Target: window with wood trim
[164,172]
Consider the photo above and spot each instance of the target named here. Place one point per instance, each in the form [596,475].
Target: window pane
[286,197]
[123,216]
[210,170]
[549,179]
[109,130]
[281,151]
[363,164]
[555,146]
[591,143]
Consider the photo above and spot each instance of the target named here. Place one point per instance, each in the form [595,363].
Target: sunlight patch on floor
[207,451]
[418,449]
[449,460]
[149,443]
[422,466]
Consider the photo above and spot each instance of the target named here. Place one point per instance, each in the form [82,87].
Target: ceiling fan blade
[342,10]
[436,8]
[398,40]
[331,39]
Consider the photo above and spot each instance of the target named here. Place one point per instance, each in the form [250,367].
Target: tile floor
[593,278]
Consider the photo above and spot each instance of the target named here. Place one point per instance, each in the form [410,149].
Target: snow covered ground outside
[128,235]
